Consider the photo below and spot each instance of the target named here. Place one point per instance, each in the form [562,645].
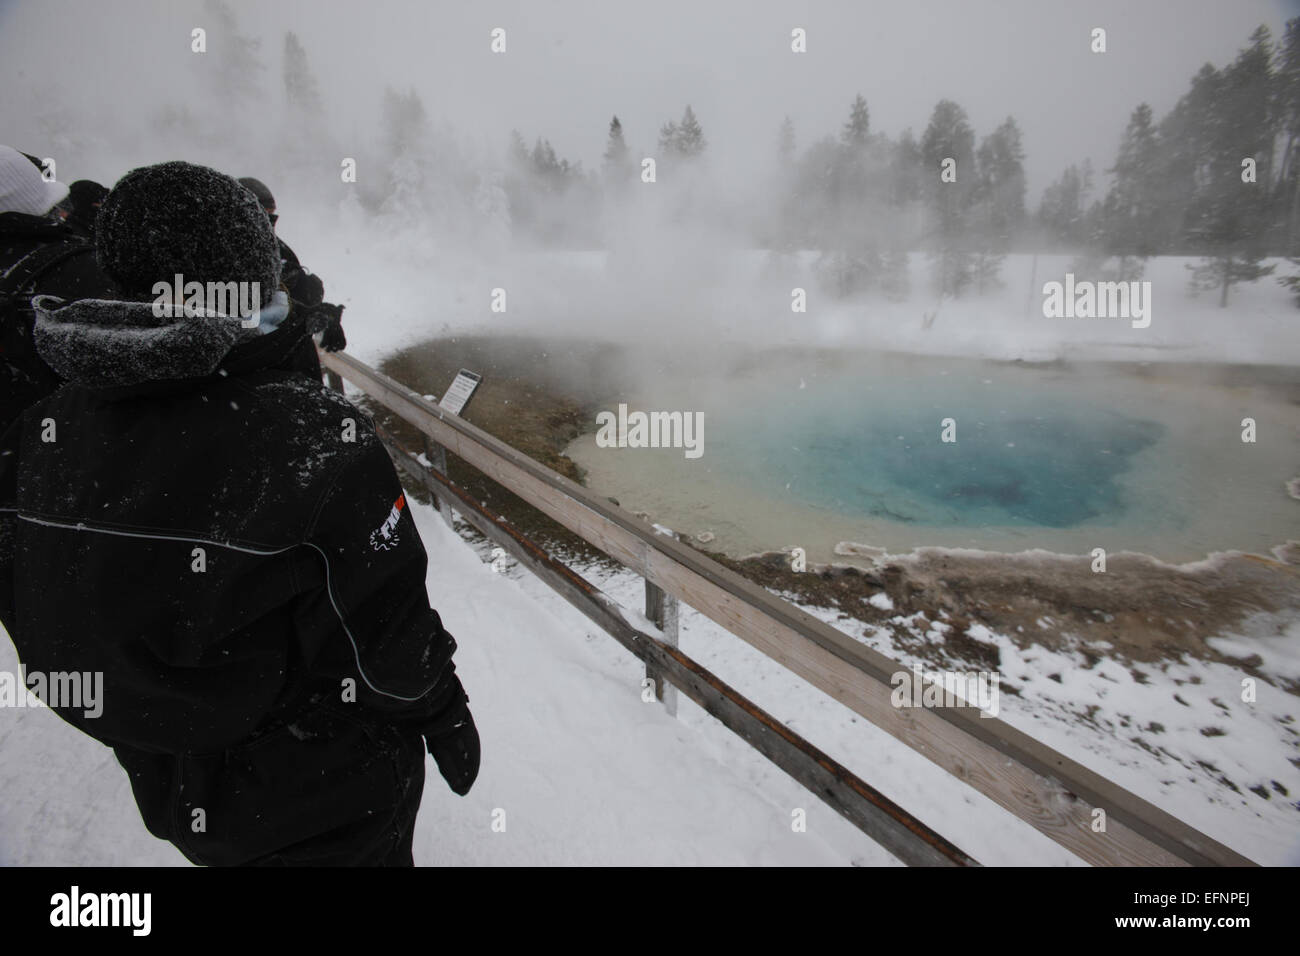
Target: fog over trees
[1216,177]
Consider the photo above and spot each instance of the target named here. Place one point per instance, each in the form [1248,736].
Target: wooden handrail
[1046,789]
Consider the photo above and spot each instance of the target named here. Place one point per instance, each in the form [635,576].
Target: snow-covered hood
[103,343]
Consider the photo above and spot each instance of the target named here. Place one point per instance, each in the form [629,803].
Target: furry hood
[102,343]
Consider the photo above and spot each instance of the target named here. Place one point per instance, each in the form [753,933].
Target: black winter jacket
[228,543]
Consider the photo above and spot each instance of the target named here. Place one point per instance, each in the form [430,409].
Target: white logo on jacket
[385,537]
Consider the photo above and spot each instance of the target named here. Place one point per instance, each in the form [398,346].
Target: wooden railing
[1044,788]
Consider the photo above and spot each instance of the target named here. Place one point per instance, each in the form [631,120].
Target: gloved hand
[332,338]
[452,739]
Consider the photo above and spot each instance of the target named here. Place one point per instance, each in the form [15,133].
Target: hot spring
[823,451]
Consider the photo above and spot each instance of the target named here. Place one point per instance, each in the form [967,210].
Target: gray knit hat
[176,217]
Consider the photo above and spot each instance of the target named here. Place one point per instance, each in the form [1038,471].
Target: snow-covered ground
[1145,735]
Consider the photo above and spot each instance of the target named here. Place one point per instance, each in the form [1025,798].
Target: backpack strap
[30,267]
[18,360]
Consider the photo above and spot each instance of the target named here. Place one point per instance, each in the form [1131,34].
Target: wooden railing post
[662,609]
[437,456]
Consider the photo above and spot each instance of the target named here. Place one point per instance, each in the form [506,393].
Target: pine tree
[1231,223]
[1190,144]
[999,202]
[856,182]
[844,273]
[1063,210]
[518,184]
[1292,282]
[785,145]
[855,131]
[518,151]
[1130,222]
[1226,269]
[894,279]
[300,88]
[668,139]
[615,148]
[304,136]
[1286,72]
[1249,108]
[906,172]
[235,59]
[404,121]
[949,136]
[684,139]
[405,135]
[618,172]
[690,137]
[547,169]
[1001,182]
[493,207]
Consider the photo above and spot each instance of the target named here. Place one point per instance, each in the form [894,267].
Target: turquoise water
[838,452]
[874,449]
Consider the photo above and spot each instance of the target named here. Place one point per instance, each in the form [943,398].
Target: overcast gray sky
[571,64]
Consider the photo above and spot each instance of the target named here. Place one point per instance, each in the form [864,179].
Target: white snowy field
[1147,735]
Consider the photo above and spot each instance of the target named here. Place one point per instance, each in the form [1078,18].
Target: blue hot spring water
[1037,458]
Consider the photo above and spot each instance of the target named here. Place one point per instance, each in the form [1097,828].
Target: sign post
[456,398]
[460,391]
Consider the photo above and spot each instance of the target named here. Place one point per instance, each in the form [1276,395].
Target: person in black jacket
[84,198]
[304,286]
[228,544]
[38,253]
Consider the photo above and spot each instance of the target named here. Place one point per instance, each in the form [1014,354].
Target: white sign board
[459,392]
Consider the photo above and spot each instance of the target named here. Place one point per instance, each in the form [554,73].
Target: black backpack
[24,376]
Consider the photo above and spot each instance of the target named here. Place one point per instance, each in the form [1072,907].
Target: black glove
[332,338]
[303,286]
[452,739]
